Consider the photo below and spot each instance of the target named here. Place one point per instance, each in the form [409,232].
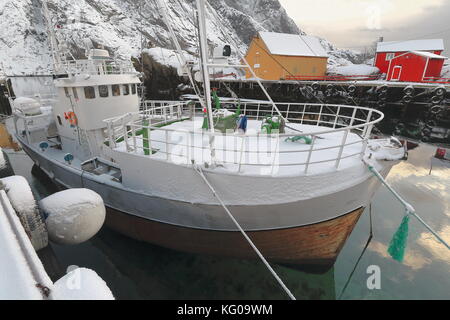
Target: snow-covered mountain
[122,25]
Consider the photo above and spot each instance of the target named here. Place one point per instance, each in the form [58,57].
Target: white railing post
[337,117]
[308,160]
[257,112]
[275,154]
[125,136]
[133,135]
[287,111]
[320,115]
[352,120]
[110,137]
[303,113]
[242,152]
[369,116]
[341,149]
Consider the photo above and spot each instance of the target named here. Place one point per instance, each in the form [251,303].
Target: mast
[52,37]
[204,60]
[180,56]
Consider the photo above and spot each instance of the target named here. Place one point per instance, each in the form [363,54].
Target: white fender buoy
[81,284]
[73,215]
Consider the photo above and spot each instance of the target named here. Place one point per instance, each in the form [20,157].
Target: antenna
[204,60]
[180,56]
[88,45]
[59,48]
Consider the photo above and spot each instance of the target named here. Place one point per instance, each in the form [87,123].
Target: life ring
[71,117]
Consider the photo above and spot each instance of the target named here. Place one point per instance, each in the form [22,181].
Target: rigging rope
[199,170]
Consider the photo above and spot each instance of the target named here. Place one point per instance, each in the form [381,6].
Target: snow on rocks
[118,24]
[167,57]
[81,284]
[73,215]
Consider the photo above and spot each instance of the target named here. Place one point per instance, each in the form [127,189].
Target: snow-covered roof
[410,45]
[428,55]
[293,44]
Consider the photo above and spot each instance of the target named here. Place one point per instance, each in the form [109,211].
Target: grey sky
[356,23]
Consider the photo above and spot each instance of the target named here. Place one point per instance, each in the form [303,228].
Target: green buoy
[399,241]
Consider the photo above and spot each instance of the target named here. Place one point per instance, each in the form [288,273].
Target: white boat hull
[308,232]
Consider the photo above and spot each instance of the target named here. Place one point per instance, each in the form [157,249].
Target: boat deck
[253,152]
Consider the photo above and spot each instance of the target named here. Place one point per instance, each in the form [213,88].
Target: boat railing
[149,136]
[96,67]
[24,124]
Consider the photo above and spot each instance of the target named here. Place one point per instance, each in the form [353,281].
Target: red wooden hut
[410,61]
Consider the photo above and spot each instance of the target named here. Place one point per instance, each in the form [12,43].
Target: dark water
[135,270]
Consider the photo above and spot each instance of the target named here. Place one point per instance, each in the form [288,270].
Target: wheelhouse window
[103,91]
[133,88]
[126,89]
[115,90]
[89,92]
[390,56]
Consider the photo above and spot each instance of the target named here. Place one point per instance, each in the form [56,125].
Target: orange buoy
[72,118]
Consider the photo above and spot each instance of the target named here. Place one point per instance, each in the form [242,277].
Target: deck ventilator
[199,170]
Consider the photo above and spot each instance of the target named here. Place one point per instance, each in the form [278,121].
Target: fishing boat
[293,175]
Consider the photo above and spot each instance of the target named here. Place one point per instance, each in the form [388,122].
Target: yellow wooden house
[278,56]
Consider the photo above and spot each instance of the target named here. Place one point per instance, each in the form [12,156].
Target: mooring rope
[360,256]
[199,170]
[409,208]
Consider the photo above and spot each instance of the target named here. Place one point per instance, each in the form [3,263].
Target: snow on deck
[261,154]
